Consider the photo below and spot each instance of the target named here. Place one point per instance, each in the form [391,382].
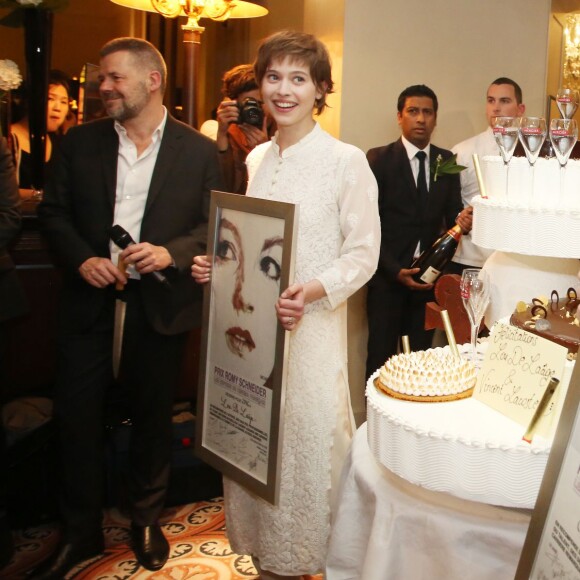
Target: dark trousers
[150,367]
[394,311]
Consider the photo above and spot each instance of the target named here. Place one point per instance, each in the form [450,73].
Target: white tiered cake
[464,447]
[538,223]
[461,447]
[536,233]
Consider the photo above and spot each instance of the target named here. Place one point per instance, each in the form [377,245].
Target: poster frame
[214,443]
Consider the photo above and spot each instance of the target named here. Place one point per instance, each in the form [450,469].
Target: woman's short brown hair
[298,47]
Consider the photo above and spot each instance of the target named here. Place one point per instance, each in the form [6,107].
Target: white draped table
[389,529]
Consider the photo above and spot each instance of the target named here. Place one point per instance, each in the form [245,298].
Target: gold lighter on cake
[450,334]
[540,409]
[479,176]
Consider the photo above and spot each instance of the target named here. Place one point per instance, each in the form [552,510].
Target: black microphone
[122,238]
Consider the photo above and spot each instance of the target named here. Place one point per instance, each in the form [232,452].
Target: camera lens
[251,112]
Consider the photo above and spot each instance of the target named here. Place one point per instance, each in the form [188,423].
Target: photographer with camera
[242,124]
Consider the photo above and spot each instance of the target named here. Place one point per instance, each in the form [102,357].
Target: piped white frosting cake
[464,447]
[538,186]
[427,375]
[536,221]
[461,447]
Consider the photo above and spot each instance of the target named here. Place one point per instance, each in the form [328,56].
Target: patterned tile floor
[196,532]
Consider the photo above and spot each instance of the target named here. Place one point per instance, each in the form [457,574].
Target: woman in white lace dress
[337,252]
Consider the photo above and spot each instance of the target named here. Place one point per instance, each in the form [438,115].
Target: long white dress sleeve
[338,244]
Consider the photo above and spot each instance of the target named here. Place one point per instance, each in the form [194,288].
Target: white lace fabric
[338,244]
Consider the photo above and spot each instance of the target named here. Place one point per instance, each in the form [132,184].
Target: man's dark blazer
[77,214]
[403,220]
[12,302]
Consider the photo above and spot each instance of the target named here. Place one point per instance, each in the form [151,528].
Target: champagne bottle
[434,259]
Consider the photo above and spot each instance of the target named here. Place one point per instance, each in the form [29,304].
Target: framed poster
[243,349]
[552,545]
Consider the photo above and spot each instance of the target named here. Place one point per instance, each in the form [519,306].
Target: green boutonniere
[447,166]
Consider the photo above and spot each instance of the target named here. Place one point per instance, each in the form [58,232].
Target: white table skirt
[389,529]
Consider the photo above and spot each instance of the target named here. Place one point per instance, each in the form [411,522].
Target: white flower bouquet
[10,77]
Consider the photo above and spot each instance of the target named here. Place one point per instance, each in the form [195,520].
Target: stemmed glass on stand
[563,135]
[505,131]
[532,134]
[567,101]
[475,291]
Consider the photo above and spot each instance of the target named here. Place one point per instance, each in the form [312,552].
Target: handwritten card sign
[517,368]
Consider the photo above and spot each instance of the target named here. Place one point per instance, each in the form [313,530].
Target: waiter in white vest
[504,99]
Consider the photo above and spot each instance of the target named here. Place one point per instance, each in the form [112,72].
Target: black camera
[251,112]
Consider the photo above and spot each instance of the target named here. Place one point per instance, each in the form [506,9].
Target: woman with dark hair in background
[56,112]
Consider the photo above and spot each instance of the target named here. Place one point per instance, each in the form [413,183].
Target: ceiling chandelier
[219,10]
[571,72]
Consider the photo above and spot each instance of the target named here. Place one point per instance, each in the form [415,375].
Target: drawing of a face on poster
[246,286]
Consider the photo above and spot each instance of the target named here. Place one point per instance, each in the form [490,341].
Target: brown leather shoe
[150,546]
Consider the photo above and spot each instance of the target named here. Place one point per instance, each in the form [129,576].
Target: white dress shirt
[134,174]
[411,152]
[483,144]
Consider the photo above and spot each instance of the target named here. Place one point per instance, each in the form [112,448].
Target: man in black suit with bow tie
[415,209]
[152,175]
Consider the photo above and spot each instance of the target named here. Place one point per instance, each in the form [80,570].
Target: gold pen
[479,175]
[450,334]
[542,405]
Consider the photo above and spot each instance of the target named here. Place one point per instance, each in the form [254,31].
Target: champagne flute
[505,130]
[563,135]
[532,135]
[567,101]
[475,290]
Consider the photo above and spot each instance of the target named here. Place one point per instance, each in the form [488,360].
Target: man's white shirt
[134,173]
[483,144]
